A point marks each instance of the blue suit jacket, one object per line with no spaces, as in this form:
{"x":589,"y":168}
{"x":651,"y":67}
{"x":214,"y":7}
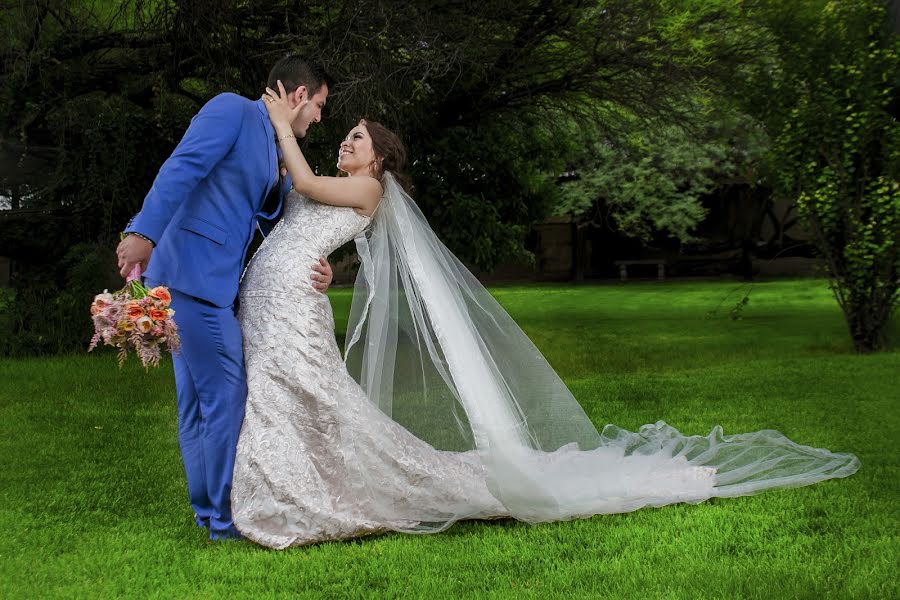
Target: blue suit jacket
{"x":204,"y":205}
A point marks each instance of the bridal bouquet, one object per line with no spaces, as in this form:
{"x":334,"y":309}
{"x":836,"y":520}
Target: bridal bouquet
{"x":135,"y":318}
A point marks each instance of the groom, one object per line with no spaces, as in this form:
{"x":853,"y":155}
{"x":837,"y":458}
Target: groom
{"x":192,"y":235}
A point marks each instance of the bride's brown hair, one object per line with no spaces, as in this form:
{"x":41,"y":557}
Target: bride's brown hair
{"x":391,"y":151}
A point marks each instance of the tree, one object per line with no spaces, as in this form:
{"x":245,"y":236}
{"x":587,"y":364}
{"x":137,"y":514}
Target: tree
{"x":482,"y":93}
{"x":652,"y":181}
{"x":838,"y":150}
{"x":477,"y":90}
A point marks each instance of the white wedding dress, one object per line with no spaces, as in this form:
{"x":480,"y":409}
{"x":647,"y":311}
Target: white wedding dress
{"x":323,"y":457}
{"x":297,"y":475}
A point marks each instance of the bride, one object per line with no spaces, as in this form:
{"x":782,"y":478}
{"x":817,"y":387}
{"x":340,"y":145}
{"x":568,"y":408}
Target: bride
{"x":442,"y":408}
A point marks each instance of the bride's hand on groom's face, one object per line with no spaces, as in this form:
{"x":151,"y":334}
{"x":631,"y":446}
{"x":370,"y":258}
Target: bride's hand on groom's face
{"x":322,"y":275}
{"x":279,"y":108}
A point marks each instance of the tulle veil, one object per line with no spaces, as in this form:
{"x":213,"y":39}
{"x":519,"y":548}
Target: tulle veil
{"x":433,"y":349}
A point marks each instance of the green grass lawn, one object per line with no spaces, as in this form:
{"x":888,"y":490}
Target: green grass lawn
{"x":93,"y":500}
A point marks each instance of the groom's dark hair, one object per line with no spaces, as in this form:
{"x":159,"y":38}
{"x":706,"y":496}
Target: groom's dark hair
{"x":294,"y":71}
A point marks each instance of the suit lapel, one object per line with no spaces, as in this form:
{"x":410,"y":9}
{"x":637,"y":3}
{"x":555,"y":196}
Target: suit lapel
{"x":272,"y":160}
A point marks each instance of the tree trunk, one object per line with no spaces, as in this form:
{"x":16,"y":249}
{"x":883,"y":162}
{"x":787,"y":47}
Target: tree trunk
{"x":867,"y":325}
{"x":579,"y":252}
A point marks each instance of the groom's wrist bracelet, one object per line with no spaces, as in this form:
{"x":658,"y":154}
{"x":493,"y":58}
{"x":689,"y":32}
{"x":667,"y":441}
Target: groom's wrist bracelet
{"x":140,"y":235}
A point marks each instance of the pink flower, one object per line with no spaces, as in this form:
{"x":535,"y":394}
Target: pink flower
{"x":103,"y":300}
{"x":144,"y":324}
{"x":102,"y":322}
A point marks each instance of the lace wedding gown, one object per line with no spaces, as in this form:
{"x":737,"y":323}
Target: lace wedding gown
{"x":319,"y":459}
{"x":298,"y":472}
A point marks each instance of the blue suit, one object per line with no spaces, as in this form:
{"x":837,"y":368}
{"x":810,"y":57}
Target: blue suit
{"x":201,"y":213}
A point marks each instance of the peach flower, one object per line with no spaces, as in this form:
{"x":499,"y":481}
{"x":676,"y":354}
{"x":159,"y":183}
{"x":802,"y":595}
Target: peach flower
{"x":161,"y":293}
{"x":135,"y":312}
{"x":158,"y":315}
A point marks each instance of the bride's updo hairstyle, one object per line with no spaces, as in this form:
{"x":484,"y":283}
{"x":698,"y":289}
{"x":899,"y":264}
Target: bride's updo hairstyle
{"x":390,"y":149}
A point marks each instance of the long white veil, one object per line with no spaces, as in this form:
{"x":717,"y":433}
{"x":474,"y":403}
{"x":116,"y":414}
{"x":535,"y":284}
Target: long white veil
{"x":434,"y":350}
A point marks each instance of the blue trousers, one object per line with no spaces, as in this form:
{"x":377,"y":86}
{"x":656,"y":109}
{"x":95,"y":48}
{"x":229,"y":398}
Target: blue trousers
{"x":211,"y":385}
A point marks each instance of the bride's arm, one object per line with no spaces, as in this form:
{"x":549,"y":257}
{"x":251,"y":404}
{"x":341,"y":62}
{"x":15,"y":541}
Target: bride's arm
{"x":359,"y":192}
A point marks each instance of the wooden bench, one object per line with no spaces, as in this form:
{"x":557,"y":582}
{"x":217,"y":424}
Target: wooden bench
{"x":624,"y":264}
